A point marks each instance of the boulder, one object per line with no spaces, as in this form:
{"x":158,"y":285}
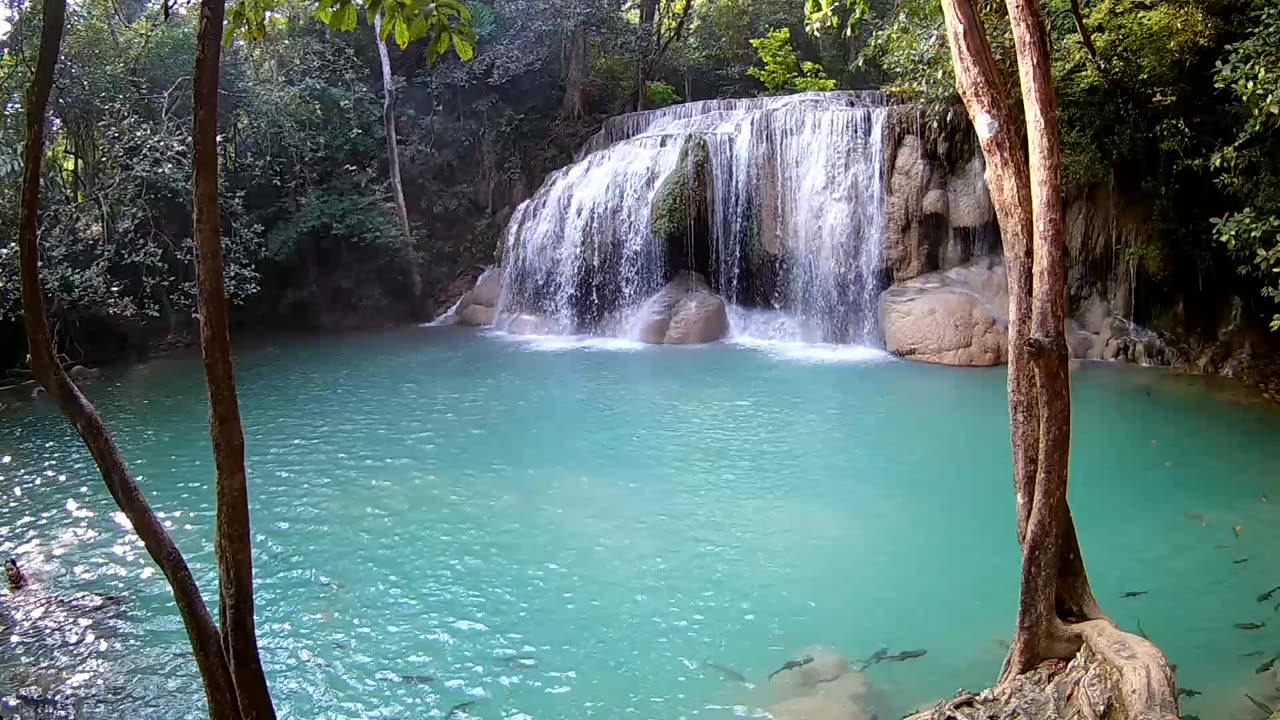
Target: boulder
{"x":816,"y":707}
{"x":477,"y":315}
{"x":488,"y":288}
{"x":685,"y":312}
{"x":956,"y":317}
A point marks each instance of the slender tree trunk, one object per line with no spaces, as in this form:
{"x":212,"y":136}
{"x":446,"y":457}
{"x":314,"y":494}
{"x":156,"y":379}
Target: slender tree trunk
{"x":576,"y":68}
{"x":648,"y":47}
{"x":1042,"y":547}
{"x":393,"y":159}
{"x":232,"y":541}
{"x":205,"y":640}
{"x":1057,"y":610}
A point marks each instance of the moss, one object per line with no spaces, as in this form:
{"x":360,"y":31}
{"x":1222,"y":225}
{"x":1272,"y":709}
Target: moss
{"x":680,"y":216}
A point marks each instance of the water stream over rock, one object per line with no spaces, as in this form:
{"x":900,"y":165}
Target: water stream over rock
{"x":779,"y":203}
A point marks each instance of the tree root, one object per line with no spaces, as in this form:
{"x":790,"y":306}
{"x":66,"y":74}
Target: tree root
{"x":1112,"y":676}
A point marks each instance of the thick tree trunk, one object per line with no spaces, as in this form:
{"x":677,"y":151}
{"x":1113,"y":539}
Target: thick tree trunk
{"x":393,"y":158}
{"x":232,"y":541}
{"x":206,"y":644}
{"x":1057,"y":610}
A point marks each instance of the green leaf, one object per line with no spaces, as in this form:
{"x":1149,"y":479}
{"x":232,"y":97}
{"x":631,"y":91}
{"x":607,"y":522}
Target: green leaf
{"x":465,"y":48}
{"x":401,"y":32}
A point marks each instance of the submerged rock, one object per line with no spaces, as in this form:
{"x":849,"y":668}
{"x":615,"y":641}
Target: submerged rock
{"x":956,"y":317}
{"x":816,"y":707}
{"x":685,"y":312}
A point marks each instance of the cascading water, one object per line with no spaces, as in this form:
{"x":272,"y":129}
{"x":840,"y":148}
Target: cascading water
{"x":794,"y":226}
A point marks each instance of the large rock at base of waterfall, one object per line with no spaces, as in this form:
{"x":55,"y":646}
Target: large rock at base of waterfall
{"x":681,"y":213}
{"x":685,"y":312}
{"x":956,"y":317}
{"x":477,"y":315}
{"x":816,"y":707}
{"x":488,"y":288}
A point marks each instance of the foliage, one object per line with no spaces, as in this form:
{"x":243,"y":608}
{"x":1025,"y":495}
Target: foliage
{"x":1249,"y":167}
{"x":660,"y":94}
{"x":783,"y":70}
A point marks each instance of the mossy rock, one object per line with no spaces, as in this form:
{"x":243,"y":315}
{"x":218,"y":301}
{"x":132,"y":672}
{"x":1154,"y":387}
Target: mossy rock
{"x":681,"y":214}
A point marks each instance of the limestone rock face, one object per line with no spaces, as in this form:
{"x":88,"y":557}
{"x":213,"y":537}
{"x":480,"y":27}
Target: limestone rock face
{"x":685,"y":312}
{"x":969,"y":203}
{"x":956,"y":317}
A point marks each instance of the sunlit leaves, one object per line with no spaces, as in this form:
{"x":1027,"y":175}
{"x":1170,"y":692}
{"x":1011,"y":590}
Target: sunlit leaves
{"x":783,"y":70}
{"x":442,"y":23}
{"x":824,"y":16}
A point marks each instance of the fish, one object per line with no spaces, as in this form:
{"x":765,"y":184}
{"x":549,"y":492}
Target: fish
{"x":1197,"y":517}
{"x":906,"y":655}
{"x":1188,"y":692}
{"x":1221,"y":547}
{"x":1251,"y":626}
{"x":1190,"y":717}
{"x":1237,"y":530}
{"x":417,"y":679}
{"x":1263,"y":497}
{"x":1267,"y":595}
{"x":1133,"y":593}
{"x":1142,"y":633}
{"x":1265,"y":666}
{"x":1255,"y":653}
{"x":727,"y":673}
{"x":792,"y":665}
{"x":1277,"y":607}
{"x":876,"y":657}
{"x":1261,"y":706}
{"x":1239,"y":561}
{"x":459,"y":706}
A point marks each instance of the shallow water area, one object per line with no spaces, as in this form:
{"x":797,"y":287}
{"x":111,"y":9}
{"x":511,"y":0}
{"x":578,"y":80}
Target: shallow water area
{"x":573,"y":528}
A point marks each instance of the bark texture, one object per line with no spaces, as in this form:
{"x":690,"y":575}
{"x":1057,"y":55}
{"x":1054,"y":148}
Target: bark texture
{"x":576,"y":67}
{"x":232,"y":541}
{"x":1057,"y":611}
{"x":393,"y":155}
{"x":205,"y":639}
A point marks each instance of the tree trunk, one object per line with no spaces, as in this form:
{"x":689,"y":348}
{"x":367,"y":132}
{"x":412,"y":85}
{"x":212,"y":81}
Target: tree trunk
{"x":393,"y":160}
{"x":205,"y":640}
{"x":648,"y":47}
{"x":576,"y":68}
{"x":1057,"y":610}
{"x":232,"y":541}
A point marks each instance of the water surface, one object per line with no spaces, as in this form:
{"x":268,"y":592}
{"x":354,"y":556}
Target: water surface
{"x":564,"y":530}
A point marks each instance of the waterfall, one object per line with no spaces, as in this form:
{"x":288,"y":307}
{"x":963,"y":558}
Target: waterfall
{"x":792,"y":237}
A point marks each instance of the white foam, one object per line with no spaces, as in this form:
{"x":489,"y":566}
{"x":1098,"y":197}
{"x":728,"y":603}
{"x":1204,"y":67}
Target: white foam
{"x":814,"y":352}
{"x":561,"y":343}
